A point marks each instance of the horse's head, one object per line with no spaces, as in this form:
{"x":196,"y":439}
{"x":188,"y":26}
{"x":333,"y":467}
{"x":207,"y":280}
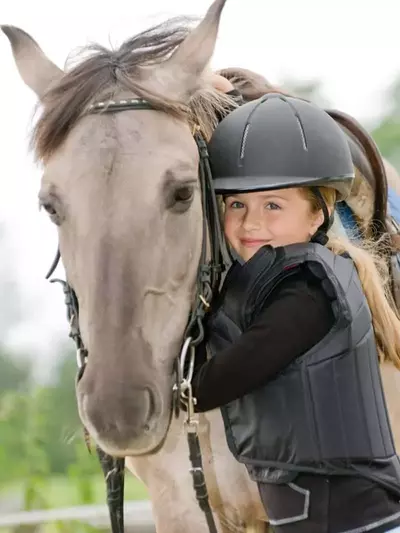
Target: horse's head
{"x":122,"y":189}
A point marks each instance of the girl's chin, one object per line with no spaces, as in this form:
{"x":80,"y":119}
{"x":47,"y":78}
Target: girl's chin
{"x":248,"y":253}
{"x":251,"y":249}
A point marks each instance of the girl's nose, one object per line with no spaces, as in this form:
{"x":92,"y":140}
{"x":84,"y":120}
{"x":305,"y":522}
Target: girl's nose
{"x":252,"y":220}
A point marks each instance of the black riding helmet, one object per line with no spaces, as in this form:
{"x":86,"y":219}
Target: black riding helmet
{"x":277,"y":142}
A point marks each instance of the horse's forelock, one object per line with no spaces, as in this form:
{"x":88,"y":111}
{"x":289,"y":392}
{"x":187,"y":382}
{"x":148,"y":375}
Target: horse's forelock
{"x":106,"y":73}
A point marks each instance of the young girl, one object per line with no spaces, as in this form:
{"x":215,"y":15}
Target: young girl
{"x":295,"y":337}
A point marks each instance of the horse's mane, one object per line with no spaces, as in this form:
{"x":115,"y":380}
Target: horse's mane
{"x":102,"y":73}
{"x":251,"y":85}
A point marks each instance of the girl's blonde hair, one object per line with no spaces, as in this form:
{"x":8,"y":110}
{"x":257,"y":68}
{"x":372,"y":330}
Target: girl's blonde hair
{"x":373,"y":273}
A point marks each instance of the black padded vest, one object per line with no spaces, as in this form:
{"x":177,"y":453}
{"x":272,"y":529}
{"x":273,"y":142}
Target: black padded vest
{"x":326,"y":412}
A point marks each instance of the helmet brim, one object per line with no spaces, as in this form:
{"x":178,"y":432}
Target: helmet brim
{"x":233,"y":185}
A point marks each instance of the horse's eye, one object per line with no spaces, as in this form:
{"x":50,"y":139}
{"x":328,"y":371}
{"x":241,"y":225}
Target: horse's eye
{"x":184,"y":194}
{"x":52,"y":208}
{"x":49,"y":208}
{"x":180,"y":197}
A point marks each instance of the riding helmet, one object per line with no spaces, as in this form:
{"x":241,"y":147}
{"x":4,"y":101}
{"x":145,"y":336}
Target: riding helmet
{"x":277,"y":142}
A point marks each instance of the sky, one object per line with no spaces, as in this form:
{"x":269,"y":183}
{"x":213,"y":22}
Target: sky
{"x":352,"y":46}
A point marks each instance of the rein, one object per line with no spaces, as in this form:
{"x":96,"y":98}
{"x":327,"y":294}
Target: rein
{"x":208,"y":281}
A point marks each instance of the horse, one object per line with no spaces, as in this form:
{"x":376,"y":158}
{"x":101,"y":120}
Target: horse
{"x":123,"y":189}
{"x":121,"y":183}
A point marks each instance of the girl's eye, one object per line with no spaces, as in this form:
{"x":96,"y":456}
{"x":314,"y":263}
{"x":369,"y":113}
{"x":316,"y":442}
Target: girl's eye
{"x":236,"y":205}
{"x":272,"y":207}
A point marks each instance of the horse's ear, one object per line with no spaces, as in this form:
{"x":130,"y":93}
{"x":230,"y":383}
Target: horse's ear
{"x":181,"y":73}
{"x":35,"y":68}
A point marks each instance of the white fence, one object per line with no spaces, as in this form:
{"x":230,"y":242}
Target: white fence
{"x":138,"y":517}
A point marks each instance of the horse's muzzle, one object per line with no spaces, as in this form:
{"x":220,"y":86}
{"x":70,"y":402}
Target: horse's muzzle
{"x":126,"y":423}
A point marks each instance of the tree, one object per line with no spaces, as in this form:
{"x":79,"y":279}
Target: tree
{"x":387,"y":132}
{"x":10,"y":309}
{"x":15,"y":374}
{"x":63,"y":425}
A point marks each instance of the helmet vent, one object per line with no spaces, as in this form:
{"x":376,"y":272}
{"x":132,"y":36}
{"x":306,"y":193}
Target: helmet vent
{"x":302,"y":133}
{"x":299,"y":123}
{"x":244,"y":139}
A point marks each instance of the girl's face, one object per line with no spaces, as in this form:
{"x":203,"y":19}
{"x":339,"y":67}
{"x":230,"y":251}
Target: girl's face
{"x":277,"y":218}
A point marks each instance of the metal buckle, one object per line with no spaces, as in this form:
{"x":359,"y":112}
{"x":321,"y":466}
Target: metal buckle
{"x":191,"y":423}
{"x":187,"y":347}
{"x":81,"y":358}
{"x":185,"y":387}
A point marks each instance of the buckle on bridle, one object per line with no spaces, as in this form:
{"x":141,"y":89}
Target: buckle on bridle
{"x":204,"y":302}
{"x":81,"y":357}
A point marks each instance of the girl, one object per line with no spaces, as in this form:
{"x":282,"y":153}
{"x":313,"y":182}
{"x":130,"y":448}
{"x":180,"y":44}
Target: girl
{"x":299,"y":326}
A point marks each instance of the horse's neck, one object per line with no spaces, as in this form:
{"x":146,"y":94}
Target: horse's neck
{"x":167,"y":475}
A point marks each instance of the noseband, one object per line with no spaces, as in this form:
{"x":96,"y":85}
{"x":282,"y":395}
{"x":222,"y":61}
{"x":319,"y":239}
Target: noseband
{"x":208,"y":281}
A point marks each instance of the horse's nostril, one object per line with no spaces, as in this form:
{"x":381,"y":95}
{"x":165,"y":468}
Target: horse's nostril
{"x":149,"y":408}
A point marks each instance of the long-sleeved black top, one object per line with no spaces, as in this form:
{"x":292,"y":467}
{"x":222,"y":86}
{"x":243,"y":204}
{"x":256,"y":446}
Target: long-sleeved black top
{"x":296,"y":316}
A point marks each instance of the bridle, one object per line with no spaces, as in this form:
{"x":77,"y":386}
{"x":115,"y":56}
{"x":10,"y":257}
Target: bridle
{"x":207,"y":285}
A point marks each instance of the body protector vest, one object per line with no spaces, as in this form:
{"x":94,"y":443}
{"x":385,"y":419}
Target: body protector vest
{"x":325,"y":412}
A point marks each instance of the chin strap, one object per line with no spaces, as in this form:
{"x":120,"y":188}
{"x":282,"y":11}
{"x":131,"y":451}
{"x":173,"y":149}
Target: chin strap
{"x":320,"y":236}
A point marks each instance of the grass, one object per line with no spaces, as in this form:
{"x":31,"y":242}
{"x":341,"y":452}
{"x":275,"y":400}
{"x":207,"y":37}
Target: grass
{"x":63,"y":492}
